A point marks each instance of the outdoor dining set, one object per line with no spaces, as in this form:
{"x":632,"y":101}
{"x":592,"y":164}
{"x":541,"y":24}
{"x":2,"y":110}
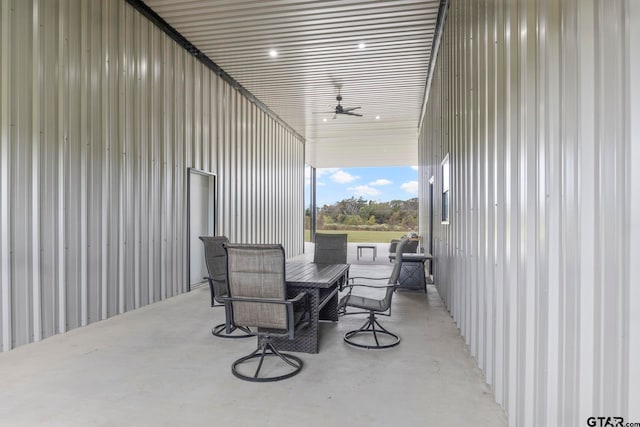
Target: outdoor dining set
{"x":282,"y":302}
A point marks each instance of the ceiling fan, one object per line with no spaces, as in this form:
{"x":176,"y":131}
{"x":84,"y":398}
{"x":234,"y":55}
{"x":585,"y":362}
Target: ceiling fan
{"x":339,"y":109}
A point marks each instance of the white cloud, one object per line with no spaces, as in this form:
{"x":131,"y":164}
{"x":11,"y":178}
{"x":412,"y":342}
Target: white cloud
{"x":380,"y":182}
{"x":325,"y":171}
{"x":343,"y":177}
{"x":364,"y":191}
{"x":415,"y":168}
{"x":410,"y":187}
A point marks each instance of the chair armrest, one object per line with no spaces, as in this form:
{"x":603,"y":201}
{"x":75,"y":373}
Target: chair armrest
{"x":293,"y":300}
{"x":351,"y":279}
{"x":298,"y":297}
{"x":356,"y":285}
{"x":264,"y":300}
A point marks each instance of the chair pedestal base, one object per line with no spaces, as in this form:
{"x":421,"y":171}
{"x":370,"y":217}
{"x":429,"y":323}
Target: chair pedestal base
{"x":220,"y":331}
{"x":370,"y":328}
{"x":266,"y":349}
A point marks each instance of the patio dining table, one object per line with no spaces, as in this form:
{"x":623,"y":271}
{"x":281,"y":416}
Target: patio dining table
{"x":322,"y":282}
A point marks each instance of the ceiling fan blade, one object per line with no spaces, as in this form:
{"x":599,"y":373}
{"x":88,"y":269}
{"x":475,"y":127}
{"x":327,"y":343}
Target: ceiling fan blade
{"x":323,"y":112}
{"x":350,"y":108}
{"x":349,"y":113}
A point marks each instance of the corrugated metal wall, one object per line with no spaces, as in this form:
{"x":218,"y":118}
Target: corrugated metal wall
{"x":531,"y":100}
{"x":101,"y":114}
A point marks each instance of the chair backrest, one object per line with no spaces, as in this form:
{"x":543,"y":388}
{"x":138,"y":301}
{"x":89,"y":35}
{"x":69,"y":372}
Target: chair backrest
{"x":393,"y":245}
{"x":411,"y":247}
{"x":258,"y":272}
{"x":216,"y":260}
{"x":395,"y":273}
{"x":330,"y":249}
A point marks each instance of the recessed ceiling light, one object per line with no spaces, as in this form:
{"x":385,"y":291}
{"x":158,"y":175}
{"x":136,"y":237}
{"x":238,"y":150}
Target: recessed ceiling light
{"x":273,"y":53}
{"x":377,"y":117}
{"x":324,"y":120}
{"x":361,"y":45}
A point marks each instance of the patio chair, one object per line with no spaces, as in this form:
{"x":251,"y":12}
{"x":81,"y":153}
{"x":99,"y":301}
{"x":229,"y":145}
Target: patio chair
{"x":410,"y":248}
{"x":258,"y":298}
{"x":374,"y":306}
{"x":215,"y":258}
{"x":330,"y":249}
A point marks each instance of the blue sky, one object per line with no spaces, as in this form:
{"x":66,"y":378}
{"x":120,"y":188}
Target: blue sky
{"x":381,"y":184}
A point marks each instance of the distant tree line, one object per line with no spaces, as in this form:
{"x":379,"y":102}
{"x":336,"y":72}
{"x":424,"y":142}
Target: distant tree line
{"x":361,"y":214}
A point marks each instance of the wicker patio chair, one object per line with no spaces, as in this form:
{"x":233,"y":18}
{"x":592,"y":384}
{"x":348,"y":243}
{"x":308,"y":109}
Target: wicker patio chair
{"x":330,"y":249}
{"x":258,"y":298}
{"x":216,"y":260}
{"x":374,"y":306}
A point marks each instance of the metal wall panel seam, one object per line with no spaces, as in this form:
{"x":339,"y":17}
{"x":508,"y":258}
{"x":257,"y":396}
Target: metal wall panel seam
{"x":107,"y":75}
{"x":632,"y":17}
{"x":253,"y":144}
{"x":243,"y":180}
{"x":5,"y":173}
{"x":73,"y":212}
{"x":512,"y":192}
{"x":260,"y":143}
{"x":94,"y":157}
{"x":246,"y":161}
{"x":600,"y":190}
{"x":143,"y":214}
{"x":586,"y":215}
{"x":462,"y":209}
{"x":613,"y":153}
{"x":554,"y":248}
{"x":48,"y":181}
{"x":211,"y":125}
{"x":540,"y":240}
{"x":205,"y":121}
{"x":19,"y":130}
{"x":481,"y":117}
{"x":568,"y":116}
{"x":63,"y":138}
{"x":501,"y":340}
{"x":236,"y":183}
{"x":134,"y":122}
{"x":490,"y":202}
{"x":83,"y":159}
{"x":36,"y":136}
{"x":194,"y":158}
{"x":121,"y":157}
{"x":226,"y":159}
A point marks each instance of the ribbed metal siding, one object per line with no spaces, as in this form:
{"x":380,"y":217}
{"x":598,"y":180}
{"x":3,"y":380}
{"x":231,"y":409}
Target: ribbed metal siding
{"x":101,"y":114}
{"x":532,"y":102}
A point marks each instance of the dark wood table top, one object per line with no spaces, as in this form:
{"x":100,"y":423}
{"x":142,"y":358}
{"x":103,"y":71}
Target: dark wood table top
{"x":314,"y":275}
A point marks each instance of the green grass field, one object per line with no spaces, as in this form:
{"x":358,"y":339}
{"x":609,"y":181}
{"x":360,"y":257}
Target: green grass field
{"x":357,"y":236}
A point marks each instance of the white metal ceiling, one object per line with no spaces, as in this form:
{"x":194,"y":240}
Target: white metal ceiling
{"x":317,"y":44}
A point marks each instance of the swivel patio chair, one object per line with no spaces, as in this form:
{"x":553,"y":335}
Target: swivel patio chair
{"x":374,"y":306}
{"x":410,"y":248}
{"x":215,"y":258}
{"x":258,"y":299}
{"x":330,"y":249}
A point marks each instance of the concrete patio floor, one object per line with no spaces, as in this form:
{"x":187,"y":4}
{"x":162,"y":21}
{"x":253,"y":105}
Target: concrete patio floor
{"x":160,"y":366}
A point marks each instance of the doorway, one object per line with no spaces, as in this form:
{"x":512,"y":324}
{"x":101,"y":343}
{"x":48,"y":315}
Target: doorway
{"x":201,"y":214}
